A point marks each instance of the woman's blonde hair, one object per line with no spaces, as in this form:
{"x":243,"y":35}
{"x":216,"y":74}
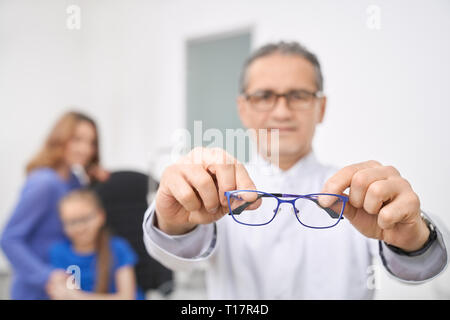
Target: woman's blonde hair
{"x":103,"y":238}
{"x":52,"y":152}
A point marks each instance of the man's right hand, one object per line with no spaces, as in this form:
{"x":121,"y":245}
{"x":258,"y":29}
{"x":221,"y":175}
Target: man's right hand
{"x":191,"y":191}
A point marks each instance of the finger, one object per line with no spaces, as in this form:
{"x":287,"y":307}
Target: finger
{"x":184,"y":193}
{"x":341,"y":180}
{"x":204,"y":217}
{"x":378,"y":193}
{"x":204,"y":184}
{"x":218,"y":162}
{"x":226,"y":180}
{"x":403,"y":209}
{"x":243,"y":180}
{"x":364,"y":178}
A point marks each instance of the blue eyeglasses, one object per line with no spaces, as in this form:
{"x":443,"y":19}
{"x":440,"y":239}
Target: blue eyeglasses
{"x":257,"y":208}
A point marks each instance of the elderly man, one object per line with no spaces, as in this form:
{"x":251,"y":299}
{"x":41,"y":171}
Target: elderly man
{"x":198,"y":220}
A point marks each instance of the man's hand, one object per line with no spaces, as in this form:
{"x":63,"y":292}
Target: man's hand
{"x":192,"y":190}
{"x":382,"y":204}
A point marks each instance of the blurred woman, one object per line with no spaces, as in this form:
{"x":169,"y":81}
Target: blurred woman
{"x":104,"y":263}
{"x":34,"y":224}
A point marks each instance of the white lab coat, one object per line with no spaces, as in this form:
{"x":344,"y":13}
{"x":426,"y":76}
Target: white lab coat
{"x":285,"y":260}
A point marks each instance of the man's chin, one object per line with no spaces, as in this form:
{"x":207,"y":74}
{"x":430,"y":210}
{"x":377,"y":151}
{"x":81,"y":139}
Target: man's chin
{"x":291,"y":150}
{"x":287,"y":146}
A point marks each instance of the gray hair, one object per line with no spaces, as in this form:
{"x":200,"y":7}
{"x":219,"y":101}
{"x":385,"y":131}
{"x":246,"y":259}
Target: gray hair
{"x":284,"y":48}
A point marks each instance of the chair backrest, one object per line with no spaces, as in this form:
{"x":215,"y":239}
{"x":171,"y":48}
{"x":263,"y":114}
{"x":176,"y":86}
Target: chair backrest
{"x":124,"y":196}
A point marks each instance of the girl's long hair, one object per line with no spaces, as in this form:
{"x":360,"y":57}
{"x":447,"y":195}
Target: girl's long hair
{"x":103,"y":266}
{"x":103,"y":261}
{"x":52,"y":152}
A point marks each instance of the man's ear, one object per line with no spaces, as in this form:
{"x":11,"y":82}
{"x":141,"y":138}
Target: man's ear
{"x":322,"y":108}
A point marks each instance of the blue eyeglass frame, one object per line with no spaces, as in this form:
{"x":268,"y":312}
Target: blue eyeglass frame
{"x":331,"y":213}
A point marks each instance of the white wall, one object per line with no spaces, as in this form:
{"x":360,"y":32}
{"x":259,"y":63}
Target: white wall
{"x":40,"y":73}
{"x":106,"y":69}
{"x":388,"y":89}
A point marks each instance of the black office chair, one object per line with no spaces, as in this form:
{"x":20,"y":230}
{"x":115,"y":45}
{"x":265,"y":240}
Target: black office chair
{"x":124,"y":196}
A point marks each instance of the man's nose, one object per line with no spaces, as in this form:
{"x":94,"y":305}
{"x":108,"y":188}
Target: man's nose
{"x":281,"y":109}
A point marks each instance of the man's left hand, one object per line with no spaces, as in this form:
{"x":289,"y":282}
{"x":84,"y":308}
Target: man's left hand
{"x":382,"y":204}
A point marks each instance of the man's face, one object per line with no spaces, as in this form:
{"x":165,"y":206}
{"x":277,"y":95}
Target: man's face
{"x":281,"y":74}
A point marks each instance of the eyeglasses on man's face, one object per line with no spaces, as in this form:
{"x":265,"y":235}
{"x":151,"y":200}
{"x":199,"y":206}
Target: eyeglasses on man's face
{"x":266,"y":100}
{"x":257,"y":208}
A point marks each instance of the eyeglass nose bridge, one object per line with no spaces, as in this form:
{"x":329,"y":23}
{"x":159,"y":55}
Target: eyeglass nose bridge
{"x":281,"y":95}
{"x":281,"y":202}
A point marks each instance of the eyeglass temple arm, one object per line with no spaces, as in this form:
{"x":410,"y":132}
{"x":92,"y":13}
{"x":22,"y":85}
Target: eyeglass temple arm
{"x":333,"y":214}
{"x":244,"y":206}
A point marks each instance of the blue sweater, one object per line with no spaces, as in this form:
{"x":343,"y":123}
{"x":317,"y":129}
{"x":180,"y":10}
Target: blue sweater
{"x":33,"y":227}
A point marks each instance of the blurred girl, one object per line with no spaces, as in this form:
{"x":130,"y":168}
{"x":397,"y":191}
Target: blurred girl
{"x":104,"y":264}
{"x":34,"y":224}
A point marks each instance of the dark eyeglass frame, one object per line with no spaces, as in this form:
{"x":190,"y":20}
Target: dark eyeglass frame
{"x":287,"y":95}
{"x":334,"y":215}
